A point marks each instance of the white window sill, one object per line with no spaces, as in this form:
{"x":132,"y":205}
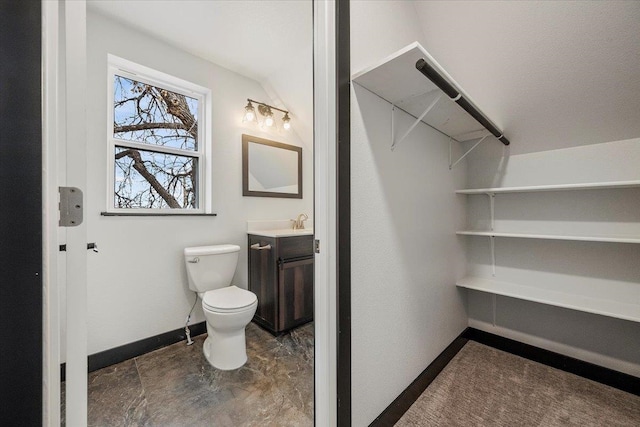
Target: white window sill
{"x":155,"y":214}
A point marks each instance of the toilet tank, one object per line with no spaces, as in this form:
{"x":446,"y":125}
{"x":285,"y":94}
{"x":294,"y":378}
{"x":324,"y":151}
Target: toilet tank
{"x":210,"y":267}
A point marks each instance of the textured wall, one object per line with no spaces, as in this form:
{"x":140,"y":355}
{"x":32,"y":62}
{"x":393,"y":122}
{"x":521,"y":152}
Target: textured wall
{"x":405,"y":255}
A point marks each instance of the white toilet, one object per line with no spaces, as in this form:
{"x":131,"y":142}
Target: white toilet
{"x":227,"y":308}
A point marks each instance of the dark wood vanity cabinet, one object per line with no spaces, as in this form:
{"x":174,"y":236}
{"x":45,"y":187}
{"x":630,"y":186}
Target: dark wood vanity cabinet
{"x":281,"y":275}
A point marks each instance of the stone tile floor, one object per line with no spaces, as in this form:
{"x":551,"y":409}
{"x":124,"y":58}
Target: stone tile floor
{"x":176,"y":386}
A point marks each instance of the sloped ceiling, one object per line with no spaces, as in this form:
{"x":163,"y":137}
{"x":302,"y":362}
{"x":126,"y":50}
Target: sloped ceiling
{"x":550,"y":74}
{"x":252,"y":38}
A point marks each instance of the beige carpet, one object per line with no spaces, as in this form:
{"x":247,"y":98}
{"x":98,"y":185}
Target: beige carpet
{"x":483,"y":386}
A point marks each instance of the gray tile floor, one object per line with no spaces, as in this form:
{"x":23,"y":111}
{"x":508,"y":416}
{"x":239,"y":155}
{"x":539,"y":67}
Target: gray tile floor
{"x":176,"y":386}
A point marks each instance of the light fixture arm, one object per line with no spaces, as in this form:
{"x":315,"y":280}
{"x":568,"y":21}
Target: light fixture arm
{"x":267,"y":105}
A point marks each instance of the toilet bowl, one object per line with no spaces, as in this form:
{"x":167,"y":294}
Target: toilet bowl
{"x":228,"y":309}
{"x":227,"y":316}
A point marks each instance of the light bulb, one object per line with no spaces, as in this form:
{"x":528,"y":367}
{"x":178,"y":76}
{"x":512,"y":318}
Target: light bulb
{"x":249,"y":113}
{"x":268,"y":121}
{"x":286,"y":122}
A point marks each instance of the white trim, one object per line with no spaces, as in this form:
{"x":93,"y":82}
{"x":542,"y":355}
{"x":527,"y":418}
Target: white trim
{"x":131,"y":70}
{"x":51,"y":304}
{"x":75,"y":105}
{"x":117,"y":142}
{"x":325,"y":213}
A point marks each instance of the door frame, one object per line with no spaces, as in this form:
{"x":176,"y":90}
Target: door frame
{"x":343,"y":196}
{"x":64,"y":34}
{"x":324,"y":155}
{"x":65,"y":273}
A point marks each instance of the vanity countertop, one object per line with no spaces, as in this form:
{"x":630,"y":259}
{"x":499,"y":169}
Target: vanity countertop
{"x":283,"y":232}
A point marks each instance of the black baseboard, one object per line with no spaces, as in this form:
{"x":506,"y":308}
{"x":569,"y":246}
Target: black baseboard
{"x":129,"y":351}
{"x":619,"y":380}
{"x":403,"y":402}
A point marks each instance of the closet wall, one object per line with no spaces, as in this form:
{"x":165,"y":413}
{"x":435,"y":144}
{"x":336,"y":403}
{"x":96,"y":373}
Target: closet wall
{"x":606,"y":271}
{"x":405,"y":256}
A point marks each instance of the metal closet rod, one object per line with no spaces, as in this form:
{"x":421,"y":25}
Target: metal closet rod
{"x":456,"y":96}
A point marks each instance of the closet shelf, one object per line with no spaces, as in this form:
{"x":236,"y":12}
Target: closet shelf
{"x":553,"y":187}
{"x":600,"y":238}
{"x":413,"y":81}
{"x":618,"y":309}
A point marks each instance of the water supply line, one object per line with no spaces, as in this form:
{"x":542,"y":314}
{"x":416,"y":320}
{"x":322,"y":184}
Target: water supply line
{"x":186,"y":326}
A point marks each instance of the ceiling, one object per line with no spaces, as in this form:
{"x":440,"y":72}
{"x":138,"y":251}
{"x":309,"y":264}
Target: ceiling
{"x":253,"y":38}
{"x":550,"y":74}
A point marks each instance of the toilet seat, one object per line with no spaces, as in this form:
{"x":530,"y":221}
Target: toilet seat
{"x":228,"y":299}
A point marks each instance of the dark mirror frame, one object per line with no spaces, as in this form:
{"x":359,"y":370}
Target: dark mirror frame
{"x":246,"y":139}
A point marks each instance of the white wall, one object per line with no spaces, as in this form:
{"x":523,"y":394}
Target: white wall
{"x":405,"y":257}
{"x":293,"y":82}
{"x":137,"y":285}
{"x":600,"y":270}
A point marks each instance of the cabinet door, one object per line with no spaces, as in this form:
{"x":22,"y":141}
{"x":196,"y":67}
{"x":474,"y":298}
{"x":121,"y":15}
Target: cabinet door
{"x":263,"y":279}
{"x":295,"y":293}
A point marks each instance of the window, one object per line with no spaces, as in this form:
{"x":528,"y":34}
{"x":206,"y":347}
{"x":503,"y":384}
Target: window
{"x":157,"y":141}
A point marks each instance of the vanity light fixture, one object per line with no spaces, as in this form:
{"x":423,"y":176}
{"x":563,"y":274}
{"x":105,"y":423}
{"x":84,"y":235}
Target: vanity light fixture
{"x":265,"y":111}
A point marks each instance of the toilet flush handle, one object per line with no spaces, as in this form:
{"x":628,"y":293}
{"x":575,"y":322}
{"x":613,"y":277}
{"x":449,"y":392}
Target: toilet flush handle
{"x":194,"y":261}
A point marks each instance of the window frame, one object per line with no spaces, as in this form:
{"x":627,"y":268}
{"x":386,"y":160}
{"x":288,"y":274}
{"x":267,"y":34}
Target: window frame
{"x":117,"y":66}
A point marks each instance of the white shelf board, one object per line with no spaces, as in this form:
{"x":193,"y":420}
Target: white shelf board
{"x":601,"y":238}
{"x":553,"y":187}
{"x":618,"y":309}
{"x":396,"y":80}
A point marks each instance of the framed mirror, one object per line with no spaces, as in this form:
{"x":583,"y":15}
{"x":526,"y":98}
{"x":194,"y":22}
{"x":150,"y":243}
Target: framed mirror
{"x":270,"y":168}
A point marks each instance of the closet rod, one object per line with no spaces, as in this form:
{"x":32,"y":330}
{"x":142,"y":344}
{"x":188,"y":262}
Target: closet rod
{"x":456,"y":96}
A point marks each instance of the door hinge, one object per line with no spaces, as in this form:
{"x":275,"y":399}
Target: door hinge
{"x":71,"y":206}
{"x":316,"y":246}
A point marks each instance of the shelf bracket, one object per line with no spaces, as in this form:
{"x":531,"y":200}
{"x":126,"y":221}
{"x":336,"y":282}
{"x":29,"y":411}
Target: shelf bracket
{"x":465,"y":154}
{"x":492,"y":208}
{"x":393,"y":125}
{"x":394,"y":141}
{"x":494,"y":307}
{"x":492,"y":242}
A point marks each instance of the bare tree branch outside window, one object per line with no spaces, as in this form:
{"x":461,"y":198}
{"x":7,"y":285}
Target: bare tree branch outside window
{"x":164,"y":175}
